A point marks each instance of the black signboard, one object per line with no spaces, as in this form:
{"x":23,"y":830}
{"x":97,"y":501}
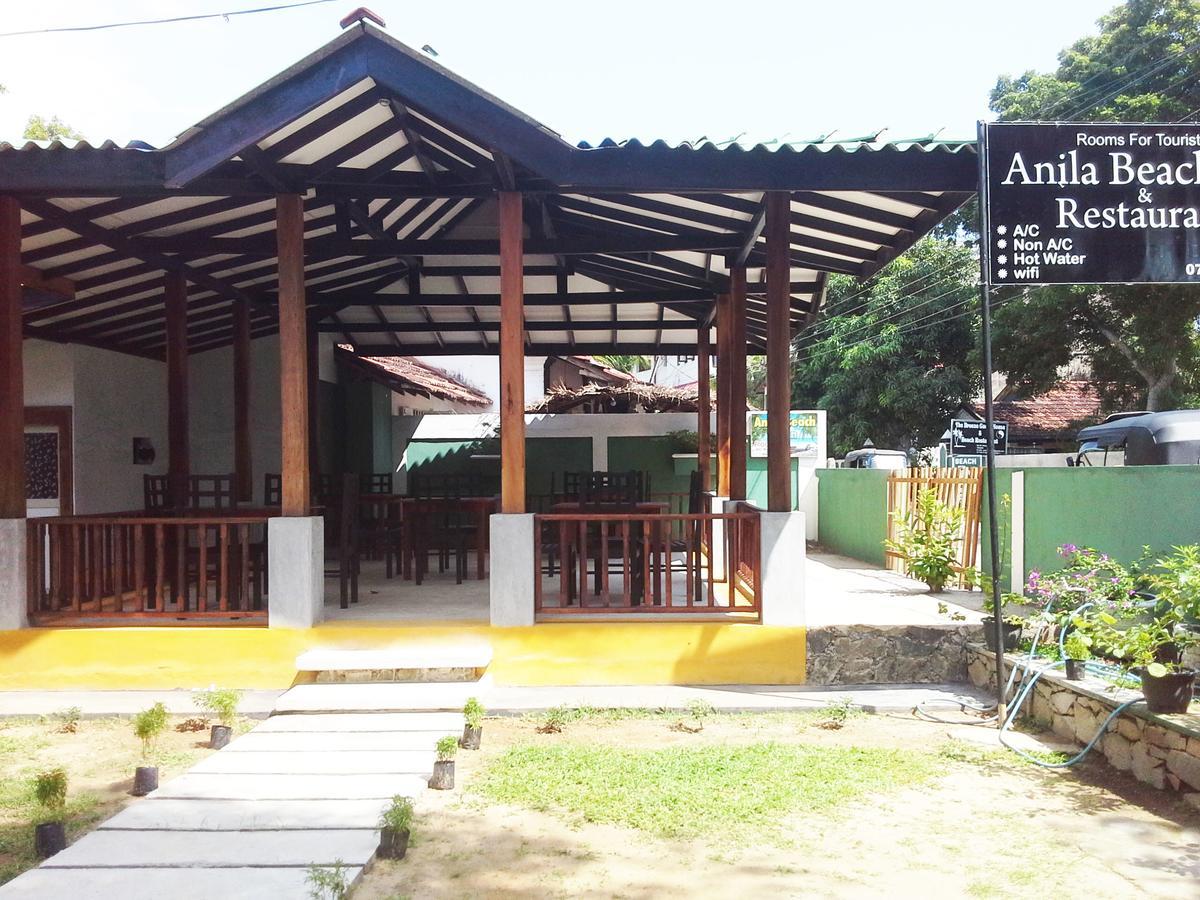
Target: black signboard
{"x":1092,"y":204}
{"x":969,"y":437}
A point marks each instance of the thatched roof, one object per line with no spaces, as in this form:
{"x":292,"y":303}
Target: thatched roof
{"x":632,"y":396}
{"x":407,"y":375}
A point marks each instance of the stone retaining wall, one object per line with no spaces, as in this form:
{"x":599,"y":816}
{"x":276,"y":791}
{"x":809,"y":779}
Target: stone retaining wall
{"x":888,"y":654}
{"x":1162,"y":751}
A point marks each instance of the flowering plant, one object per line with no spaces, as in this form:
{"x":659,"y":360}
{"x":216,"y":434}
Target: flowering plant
{"x":1087,"y":577}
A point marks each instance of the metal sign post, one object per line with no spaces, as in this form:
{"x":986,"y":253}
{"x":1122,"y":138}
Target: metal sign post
{"x":985,"y":300}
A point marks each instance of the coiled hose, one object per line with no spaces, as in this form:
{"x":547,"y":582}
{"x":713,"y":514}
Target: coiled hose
{"x":1029,"y":678}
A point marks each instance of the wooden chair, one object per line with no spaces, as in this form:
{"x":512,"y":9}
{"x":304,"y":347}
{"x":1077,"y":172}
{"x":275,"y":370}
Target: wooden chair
{"x":324,"y":492}
{"x":157,"y":494}
{"x":347,"y":558}
{"x":376,"y":483}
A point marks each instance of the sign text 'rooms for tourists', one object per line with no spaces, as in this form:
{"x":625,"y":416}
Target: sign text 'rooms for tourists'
{"x":1093,"y":204}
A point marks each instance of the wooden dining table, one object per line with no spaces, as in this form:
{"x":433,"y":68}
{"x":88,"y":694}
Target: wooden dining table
{"x":481,"y":508}
{"x":569,"y":534}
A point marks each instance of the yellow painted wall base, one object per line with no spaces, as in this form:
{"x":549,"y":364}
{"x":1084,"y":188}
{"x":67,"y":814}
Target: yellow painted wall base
{"x":585,"y":653}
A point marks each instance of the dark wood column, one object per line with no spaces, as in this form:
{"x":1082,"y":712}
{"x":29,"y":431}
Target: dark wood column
{"x":737,"y":383}
{"x":242,"y":464}
{"x":179,"y":460}
{"x":704,"y":413}
{"x":12,"y":384}
{"x":293,"y":354}
{"x":779,"y":336}
{"x":512,"y":355}
{"x":314,"y":403}
{"x":723,"y":379}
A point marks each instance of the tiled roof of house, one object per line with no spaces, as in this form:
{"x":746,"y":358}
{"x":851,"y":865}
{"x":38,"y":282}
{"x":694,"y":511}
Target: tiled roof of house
{"x":407,"y":375}
{"x":1057,"y":413}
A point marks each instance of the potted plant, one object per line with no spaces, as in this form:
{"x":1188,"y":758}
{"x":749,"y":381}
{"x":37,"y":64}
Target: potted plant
{"x":473,"y":712}
{"x":1152,"y":650}
{"x":222,"y":703}
{"x":148,"y":725}
{"x":927,"y":539}
{"x":394,"y":828}
{"x":50,"y":790}
{"x":1078,"y":647}
{"x":443,"y":767}
{"x":1010,"y":625}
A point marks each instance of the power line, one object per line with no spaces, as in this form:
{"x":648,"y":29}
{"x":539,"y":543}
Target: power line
{"x":168,"y":21}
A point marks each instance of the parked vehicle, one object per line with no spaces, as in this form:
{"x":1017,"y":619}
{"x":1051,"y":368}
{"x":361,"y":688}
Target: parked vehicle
{"x":871,"y":457}
{"x":1142,"y":439}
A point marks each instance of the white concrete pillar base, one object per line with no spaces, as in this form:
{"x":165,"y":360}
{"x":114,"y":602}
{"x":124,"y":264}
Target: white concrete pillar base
{"x":513,"y":569}
{"x":13,"y":573}
{"x":781,"y":561}
{"x":296,"y":571}
{"x":717,"y":549}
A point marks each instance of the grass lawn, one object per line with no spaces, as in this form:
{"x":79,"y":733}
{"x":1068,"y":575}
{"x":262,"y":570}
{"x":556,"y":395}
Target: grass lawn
{"x":640,"y":804}
{"x":99,"y":757}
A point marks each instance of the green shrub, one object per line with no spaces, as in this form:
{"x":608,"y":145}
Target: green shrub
{"x":50,"y":791}
{"x":473,"y":712}
{"x":554,"y":720}
{"x":447,"y":747}
{"x":68,"y":719}
{"x":220,"y":702}
{"x":399,"y":815}
{"x":328,"y":882}
{"x":148,"y":725}
{"x":927,"y":539}
{"x":1078,"y":646}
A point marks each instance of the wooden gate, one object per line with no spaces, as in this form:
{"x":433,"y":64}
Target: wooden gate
{"x":960,"y":487}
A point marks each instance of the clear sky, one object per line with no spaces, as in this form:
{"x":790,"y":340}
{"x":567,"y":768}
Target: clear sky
{"x":623,"y":68}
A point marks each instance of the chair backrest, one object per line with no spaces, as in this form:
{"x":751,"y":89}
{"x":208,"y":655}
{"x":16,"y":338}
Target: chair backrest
{"x":272,"y":489}
{"x":428,"y":485}
{"x":156,"y":490}
{"x":375,"y":483}
{"x":212,"y":491}
{"x":696,"y":493}
{"x":613,"y":487}
{"x":348,"y":517}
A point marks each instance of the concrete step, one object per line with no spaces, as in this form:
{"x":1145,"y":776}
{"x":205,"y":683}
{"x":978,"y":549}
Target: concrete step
{"x":357,"y":698}
{"x":159,"y":884}
{"x":291,"y":787}
{"x":217,"y":849}
{"x":320,"y":762}
{"x":314,"y":741}
{"x":362,"y":723}
{"x":459,"y":662}
{"x":153,"y":813}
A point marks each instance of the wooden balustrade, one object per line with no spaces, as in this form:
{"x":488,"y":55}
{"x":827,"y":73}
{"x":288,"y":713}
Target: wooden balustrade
{"x":597,"y":563}
{"x":147,"y":567}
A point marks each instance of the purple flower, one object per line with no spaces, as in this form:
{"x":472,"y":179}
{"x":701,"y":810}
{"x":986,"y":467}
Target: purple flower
{"x":1067,"y":549}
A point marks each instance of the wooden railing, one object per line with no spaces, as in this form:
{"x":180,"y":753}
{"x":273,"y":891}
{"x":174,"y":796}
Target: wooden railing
{"x":743,"y":550}
{"x":134,"y":566}
{"x":597,"y":563}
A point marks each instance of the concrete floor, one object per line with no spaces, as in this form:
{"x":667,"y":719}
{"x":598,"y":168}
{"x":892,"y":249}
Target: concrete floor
{"x":839,"y":591}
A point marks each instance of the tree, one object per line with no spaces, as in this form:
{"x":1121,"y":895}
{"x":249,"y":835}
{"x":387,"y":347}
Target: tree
{"x":1140,"y":340}
{"x":38,"y":128}
{"x":624,"y":362}
{"x":893,"y":360}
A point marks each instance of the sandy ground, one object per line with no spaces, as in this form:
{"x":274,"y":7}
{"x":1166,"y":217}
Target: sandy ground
{"x":988,"y":827}
{"x":99,"y":757}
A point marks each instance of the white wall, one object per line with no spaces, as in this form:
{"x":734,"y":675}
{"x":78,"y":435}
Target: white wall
{"x":49,"y":373}
{"x":210,"y":411}
{"x":117,"y":397}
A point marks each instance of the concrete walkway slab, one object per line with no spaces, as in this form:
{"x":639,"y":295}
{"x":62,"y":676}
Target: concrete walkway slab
{"x":214,"y":849}
{"x":258,"y":741}
{"x":163,"y":814}
{"x":291,"y":787}
{"x":395,"y":697}
{"x":255,"y":704}
{"x":320,"y":762}
{"x":163,"y":884}
{"x":367,"y":723}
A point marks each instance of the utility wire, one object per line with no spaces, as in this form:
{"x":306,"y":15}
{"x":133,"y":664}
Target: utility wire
{"x":168,"y":21}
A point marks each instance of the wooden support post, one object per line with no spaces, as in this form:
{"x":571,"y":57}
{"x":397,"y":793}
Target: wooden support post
{"x":293,"y":353}
{"x":314,"y":407}
{"x":723,"y":379}
{"x":512,"y":355}
{"x":779,"y":337}
{"x":242,"y":464}
{"x":704,"y":414}
{"x":179,"y":465}
{"x":12,"y":385}
{"x":737,"y":383}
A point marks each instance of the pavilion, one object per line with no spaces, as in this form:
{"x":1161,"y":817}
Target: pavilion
{"x":368,"y":196}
